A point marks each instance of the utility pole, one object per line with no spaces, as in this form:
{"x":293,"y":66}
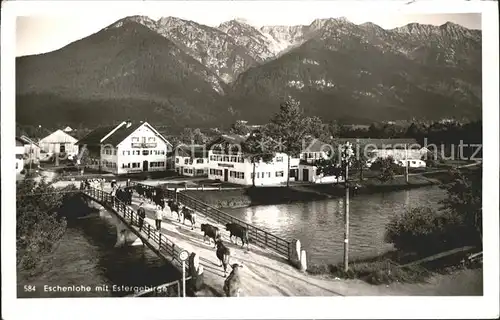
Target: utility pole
{"x":346,"y":221}
{"x":406,"y":163}
{"x":346,"y":157}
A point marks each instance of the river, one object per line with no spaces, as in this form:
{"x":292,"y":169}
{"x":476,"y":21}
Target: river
{"x":86,"y":256}
{"x":319,"y":225}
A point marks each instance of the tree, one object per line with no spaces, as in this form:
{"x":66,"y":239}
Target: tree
{"x":254,"y":149}
{"x":239,"y":128}
{"x":388,"y":169}
{"x":464,"y":199}
{"x":39,"y":227}
{"x":193,"y":136}
{"x":288,"y":129}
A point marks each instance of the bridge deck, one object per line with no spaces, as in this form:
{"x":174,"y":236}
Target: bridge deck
{"x":265,"y":273}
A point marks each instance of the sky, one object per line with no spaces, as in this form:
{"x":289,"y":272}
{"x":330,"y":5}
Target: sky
{"x":47,"y":31}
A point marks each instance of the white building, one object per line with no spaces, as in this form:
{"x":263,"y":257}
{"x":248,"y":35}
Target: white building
{"x":31,"y":149}
{"x":191,"y":160}
{"x":314,"y":151}
{"x":125,"y":148}
{"x":227,"y":163}
{"x":19,"y":155}
{"x":59,"y":142}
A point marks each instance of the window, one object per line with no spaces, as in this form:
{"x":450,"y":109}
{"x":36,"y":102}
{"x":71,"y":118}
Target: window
{"x":241,"y":160}
{"x":199,"y":161}
{"x":200,"y":171}
{"x":161,"y":163}
{"x":17,"y":165}
{"x":125,"y":165}
{"x":190,"y":161}
{"x":176,"y":160}
{"x":162,"y":152}
{"x":413,"y":162}
{"x":233,"y":159}
{"x":279,"y":173}
{"x":186,"y":161}
{"x":114,"y":152}
{"x":279,"y":159}
{"x":145,"y":152}
{"x":251,"y":175}
{"x":135,"y":139}
{"x":219,"y":158}
{"x":258,"y":175}
{"x":135,"y":165}
{"x":151,"y":139}
{"x":137,"y":153}
{"x":143,"y":139}
{"x":226,"y":159}
{"x":269,"y":174}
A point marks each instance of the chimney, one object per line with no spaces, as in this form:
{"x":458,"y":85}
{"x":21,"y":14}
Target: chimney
{"x":128,"y":123}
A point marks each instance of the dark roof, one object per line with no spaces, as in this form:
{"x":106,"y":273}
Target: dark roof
{"x":378,"y":143}
{"x":28,"y":141}
{"x":316,"y":145}
{"x":94,"y":137}
{"x":193,"y":151}
{"x":234,"y":139}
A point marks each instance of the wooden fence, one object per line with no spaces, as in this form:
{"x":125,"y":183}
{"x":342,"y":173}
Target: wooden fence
{"x":257,"y":236}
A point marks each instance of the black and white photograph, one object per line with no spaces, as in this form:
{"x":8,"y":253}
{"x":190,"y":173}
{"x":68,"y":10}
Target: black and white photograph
{"x":299,"y":153}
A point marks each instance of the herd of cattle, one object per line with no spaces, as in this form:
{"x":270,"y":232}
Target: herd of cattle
{"x":156,"y":195}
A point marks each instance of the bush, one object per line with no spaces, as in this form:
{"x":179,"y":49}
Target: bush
{"x":424,"y":231}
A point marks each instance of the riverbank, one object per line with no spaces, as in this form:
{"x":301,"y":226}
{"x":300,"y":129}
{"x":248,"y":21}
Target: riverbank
{"x":298,"y":192}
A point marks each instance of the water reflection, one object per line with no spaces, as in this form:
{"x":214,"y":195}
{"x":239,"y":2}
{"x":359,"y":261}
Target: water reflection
{"x":320,"y":226}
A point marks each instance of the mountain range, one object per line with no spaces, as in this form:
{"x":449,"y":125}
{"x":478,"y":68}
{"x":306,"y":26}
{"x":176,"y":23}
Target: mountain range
{"x":181,"y":73}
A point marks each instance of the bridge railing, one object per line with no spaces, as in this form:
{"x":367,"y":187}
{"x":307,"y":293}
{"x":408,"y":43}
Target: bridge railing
{"x":257,"y":236}
{"x":129,"y":216}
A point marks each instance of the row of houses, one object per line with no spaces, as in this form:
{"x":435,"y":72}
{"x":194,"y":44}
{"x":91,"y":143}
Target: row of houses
{"x":138,"y":147}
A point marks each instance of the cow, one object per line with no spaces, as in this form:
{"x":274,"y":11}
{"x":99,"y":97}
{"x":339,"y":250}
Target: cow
{"x":159,"y":201}
{"x":238,"y":232}
{"x":222,"y":254}
{"x":174,"y":207}
{"x":190,"y":215}
{"x":140,"y":190}
{"x":149,"y":194}
{"x":210,"y":231}
{"x":232,"y":284}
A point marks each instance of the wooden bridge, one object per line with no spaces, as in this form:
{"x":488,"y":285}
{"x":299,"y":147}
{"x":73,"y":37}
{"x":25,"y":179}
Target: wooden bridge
{"x":267,"y":269}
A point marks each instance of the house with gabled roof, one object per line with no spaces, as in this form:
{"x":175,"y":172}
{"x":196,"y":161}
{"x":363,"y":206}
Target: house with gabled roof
{"x":125,"y":148}
{"x":191,"y":160}
{"x":59,"y":143}
{"x":31,"y":149}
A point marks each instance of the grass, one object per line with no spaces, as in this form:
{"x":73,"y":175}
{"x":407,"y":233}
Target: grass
{"x":374,"y":272}
{"x":389,"y":268}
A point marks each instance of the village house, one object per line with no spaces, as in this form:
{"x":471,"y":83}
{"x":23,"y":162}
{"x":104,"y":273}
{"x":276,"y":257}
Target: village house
{"x":228,"y":163}
{"x":31,"y":150}
{"x":191,"y":160}
{"x":401,"y":150}
{"x":313,"y":151}
{"x":19,"y":155}
{"x":59,"y":143}
{"x":125,"y":148}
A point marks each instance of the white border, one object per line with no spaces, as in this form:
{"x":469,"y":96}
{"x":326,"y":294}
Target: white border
{"x":317,"y":307}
